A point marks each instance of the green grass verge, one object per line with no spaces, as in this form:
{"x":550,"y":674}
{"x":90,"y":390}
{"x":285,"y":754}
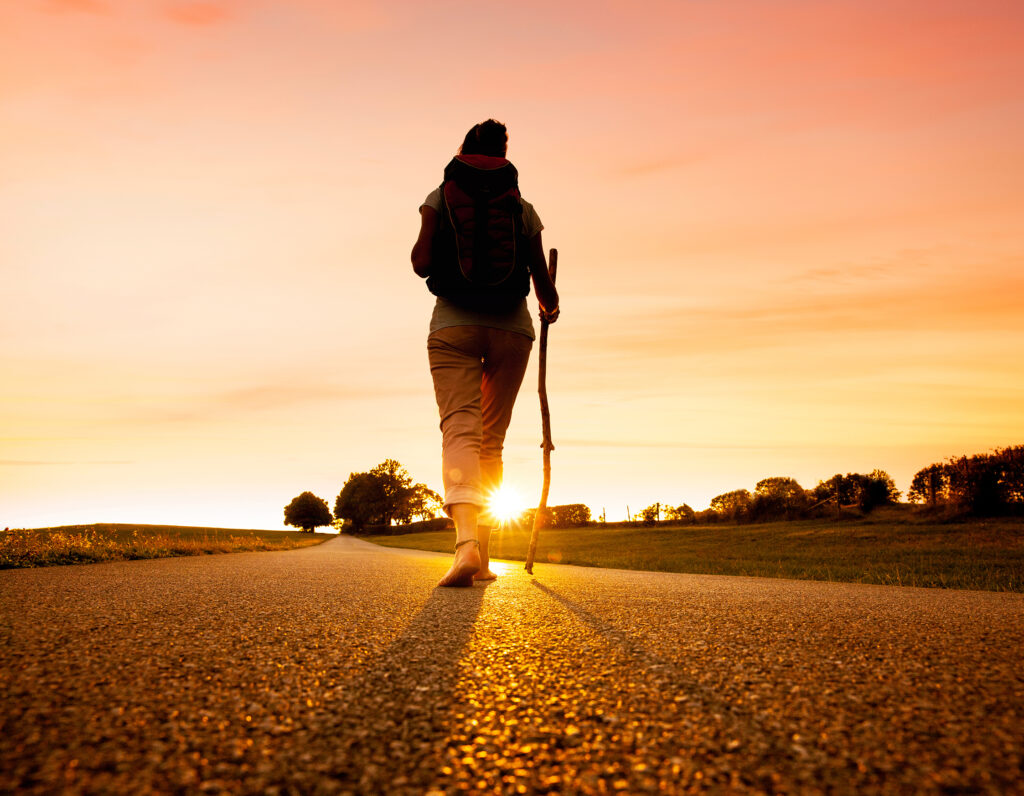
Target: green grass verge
{"x":82,"y":544}
{"x":974,"y":554}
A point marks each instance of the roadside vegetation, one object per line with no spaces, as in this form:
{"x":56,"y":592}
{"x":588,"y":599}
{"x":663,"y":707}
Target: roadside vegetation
{"x":82,"y":544}
{"x":891,"y":546}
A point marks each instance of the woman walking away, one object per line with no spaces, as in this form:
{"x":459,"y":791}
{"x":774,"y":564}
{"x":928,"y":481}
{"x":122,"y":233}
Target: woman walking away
{"x":479,"y":247}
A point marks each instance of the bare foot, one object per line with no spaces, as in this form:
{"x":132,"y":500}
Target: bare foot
{"x":485,"y":574}
{"x":464,"y":567}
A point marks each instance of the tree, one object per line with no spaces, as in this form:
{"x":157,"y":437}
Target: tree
{"x":777,"y":497}
{"x":385,"y":494}
{"x":570,"y":515}
{"x":866,"y":491}
{"x":988,"y":483}
{"x":547,"y":519}
{"x":877,"y":489}
{"x":844,"y":487}
{"x":397,"y":488}
{"x":651,"y":514}
{"x":681,"y":513}
{"x":362,"y":501}
{"x":930,"y":485}
{"x":732,"y":505}
{"x":307,"y":512}
{"x":422,"y":503}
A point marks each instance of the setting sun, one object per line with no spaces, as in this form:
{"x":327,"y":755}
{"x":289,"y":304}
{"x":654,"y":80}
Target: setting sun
{"x":506,"y":504}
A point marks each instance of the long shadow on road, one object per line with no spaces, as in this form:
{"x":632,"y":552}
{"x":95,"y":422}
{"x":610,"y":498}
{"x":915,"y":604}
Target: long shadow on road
{"x":731,"y":720}
{"x":391,"y":723}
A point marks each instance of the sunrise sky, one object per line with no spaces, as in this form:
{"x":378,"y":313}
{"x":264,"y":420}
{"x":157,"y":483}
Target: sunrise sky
{"x":789,"y":231}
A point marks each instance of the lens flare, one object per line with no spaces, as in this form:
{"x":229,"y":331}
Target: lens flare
{"x":506,"y":505}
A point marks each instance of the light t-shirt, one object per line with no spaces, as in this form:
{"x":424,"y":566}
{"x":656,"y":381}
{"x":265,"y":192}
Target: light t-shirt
{"x":447,"y":314}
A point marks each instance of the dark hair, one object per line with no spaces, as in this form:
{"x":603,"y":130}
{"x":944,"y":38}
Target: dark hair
{"x":486,"y":138}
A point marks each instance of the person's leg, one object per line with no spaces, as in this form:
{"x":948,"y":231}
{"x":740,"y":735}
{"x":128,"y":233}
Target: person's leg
{"x":467,"y":562}
{"x":504,"y":367}
{"x":456,"y":368}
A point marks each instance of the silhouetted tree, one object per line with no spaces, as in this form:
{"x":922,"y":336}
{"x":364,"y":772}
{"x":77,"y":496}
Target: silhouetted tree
{"x":877,"y":489}
{"x":362,"y":501}
{"x":987,"y":483}
{"x":570,"y":515}
{"x":422,"y":503}
{"x":547,"y":519}
{"x":865,"y":491}
{"x":385,"y":494}
{"x":732,"y":505}
{"x":776,"y":498}
{"x":681,"y":513}
{"x":1011,"y":461}
{"x":651,"y":514}
{"x":844,"y":487}
{"x":397,"y":488}
{"x":930,"y":485}
{"x":307,"y":512}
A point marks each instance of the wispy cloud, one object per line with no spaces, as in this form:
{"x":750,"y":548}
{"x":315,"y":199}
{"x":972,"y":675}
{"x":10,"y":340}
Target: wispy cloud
{"x":86,"y":6}
{"x":659,"y":444}
{"x":257,"y":399}
{"x":648,"y":166}
{"x":908,"y":264}
{"x":199,"y":14}
{"x":765,"y":319}
{"x":44,"y":463}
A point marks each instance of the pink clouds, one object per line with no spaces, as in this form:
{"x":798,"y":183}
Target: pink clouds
{"x":86,"y":6}
{"x":204,"y":198}
{"x":199,"y":14}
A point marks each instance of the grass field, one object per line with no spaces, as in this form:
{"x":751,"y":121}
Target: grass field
{"x":82,"y":544}
{"x":888,"y":549}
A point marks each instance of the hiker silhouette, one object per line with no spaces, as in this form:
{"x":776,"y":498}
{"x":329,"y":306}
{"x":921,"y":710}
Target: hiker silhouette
{"x":479,"y":248}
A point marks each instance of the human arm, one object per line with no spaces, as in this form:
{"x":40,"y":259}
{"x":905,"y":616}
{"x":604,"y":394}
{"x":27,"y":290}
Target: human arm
{"x":547,"y":295}
{"x":421,"y":250}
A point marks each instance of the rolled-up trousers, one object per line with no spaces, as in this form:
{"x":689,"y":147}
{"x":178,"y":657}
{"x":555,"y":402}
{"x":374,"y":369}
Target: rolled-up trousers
{"x":477,"y":372}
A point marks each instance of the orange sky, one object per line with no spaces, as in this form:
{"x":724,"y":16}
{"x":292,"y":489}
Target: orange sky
{"x":789,"y":233}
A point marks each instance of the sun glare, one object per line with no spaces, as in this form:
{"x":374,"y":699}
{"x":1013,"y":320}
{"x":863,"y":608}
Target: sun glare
{"x":506,"y":505}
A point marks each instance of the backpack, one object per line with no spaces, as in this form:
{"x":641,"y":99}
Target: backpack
{"x":480,"y":258}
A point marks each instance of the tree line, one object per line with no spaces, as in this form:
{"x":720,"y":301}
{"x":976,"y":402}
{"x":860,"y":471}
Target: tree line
{"x":379,"y":497}
{"x":781,"y":498}
{"x":984,"y":484}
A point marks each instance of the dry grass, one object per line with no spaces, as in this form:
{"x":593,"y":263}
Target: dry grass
{"x":82,"y":544}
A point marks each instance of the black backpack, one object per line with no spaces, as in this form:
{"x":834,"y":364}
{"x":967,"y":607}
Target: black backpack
{"x":480,"y":258}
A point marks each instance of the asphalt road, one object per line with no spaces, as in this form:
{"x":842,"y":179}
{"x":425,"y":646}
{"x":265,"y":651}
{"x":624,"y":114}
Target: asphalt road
{"x":339,"y":668}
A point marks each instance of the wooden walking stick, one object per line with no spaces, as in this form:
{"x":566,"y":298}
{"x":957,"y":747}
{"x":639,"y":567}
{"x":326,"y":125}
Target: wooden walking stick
{"x":545,"y":419}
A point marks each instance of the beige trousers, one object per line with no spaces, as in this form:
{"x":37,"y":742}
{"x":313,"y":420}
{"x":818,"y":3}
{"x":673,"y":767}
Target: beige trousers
{"x":477,"y":372}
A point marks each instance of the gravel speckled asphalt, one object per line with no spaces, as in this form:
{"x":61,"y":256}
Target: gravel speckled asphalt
{"x":340,"y":669}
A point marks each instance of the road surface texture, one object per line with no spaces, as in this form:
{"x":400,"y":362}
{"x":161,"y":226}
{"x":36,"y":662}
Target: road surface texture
{"x":341,"y":669}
